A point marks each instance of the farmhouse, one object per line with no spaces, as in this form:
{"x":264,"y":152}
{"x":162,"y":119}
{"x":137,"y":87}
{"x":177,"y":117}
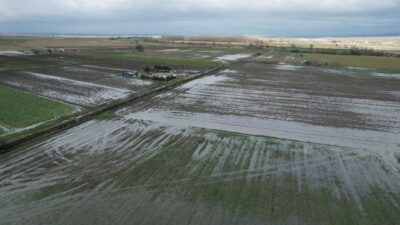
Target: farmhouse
{"x":129,"y":73}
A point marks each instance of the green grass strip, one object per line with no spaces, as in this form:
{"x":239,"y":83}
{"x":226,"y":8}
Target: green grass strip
{"x":20,"y":109}
{"x":159,"y":60}
{"x":374,"y":62}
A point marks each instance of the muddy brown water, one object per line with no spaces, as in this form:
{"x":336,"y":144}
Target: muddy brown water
{"x":175,"y":159}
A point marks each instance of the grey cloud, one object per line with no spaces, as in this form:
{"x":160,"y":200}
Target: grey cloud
{"x":200,"y":17}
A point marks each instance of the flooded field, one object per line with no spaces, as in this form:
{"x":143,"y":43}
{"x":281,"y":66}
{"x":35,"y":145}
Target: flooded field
{"x":302,"y":103}
{"x":84,"y":85}
{"x":200,"y":154}
{"x":198,"y":52}
{"x":131,"y":171}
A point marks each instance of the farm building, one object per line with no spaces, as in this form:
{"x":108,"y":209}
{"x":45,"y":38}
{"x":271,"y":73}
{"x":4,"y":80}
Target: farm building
{"x":305,"y":63}
{"x":129,"y":73}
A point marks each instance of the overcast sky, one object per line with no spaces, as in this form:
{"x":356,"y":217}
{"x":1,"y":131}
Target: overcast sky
{"x":201,"y":17}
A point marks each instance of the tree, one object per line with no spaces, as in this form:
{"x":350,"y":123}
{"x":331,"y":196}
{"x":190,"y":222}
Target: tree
{"x":140,"y":48}
{"x":311,"y":46}
{"x":36,"y":51}
{"x":354,"y":51}
{"x":294,"y":48}
{"x":147,"y":69}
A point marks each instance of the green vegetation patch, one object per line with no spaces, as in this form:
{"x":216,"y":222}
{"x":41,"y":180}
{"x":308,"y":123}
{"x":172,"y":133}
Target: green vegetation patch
{"x":106,"y":115}
{"x":376,"y":62}
{"x":159,"y":60}
{"x":20,"y":109}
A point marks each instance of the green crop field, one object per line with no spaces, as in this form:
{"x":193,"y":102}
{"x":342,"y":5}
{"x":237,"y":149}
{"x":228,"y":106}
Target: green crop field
{"x":20,"y":109}
{"x":375,"y":62}
{"x":161,"y":60}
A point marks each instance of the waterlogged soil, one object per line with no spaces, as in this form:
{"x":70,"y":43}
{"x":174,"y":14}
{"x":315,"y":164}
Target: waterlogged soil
{"x":200,"y":154}
{"x":302,"y":103}
{"x":126,"y":171}
{"x":84,"y":85}
{"x":101,"y":75}
{"x":198,"y":52}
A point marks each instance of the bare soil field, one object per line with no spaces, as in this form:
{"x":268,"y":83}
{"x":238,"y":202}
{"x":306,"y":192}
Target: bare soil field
{"x":200,"y":154}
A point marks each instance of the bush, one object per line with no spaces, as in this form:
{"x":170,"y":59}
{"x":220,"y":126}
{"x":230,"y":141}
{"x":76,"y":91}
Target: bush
{"x":158,"y":67}
{"x":147,"y":69}
{"x":140,"y":48}
{"x":168,"y":78}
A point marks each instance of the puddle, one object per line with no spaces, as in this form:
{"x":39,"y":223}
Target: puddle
{"x":232,"y":57}
{"x":171,"y":50}
{"x":15,"y":53}
{"x":228,"y":71}
{"x":139,"y":82}
{"x":287,"y":67}
{"x":210,"y":51}
{"x":388,"y":75}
